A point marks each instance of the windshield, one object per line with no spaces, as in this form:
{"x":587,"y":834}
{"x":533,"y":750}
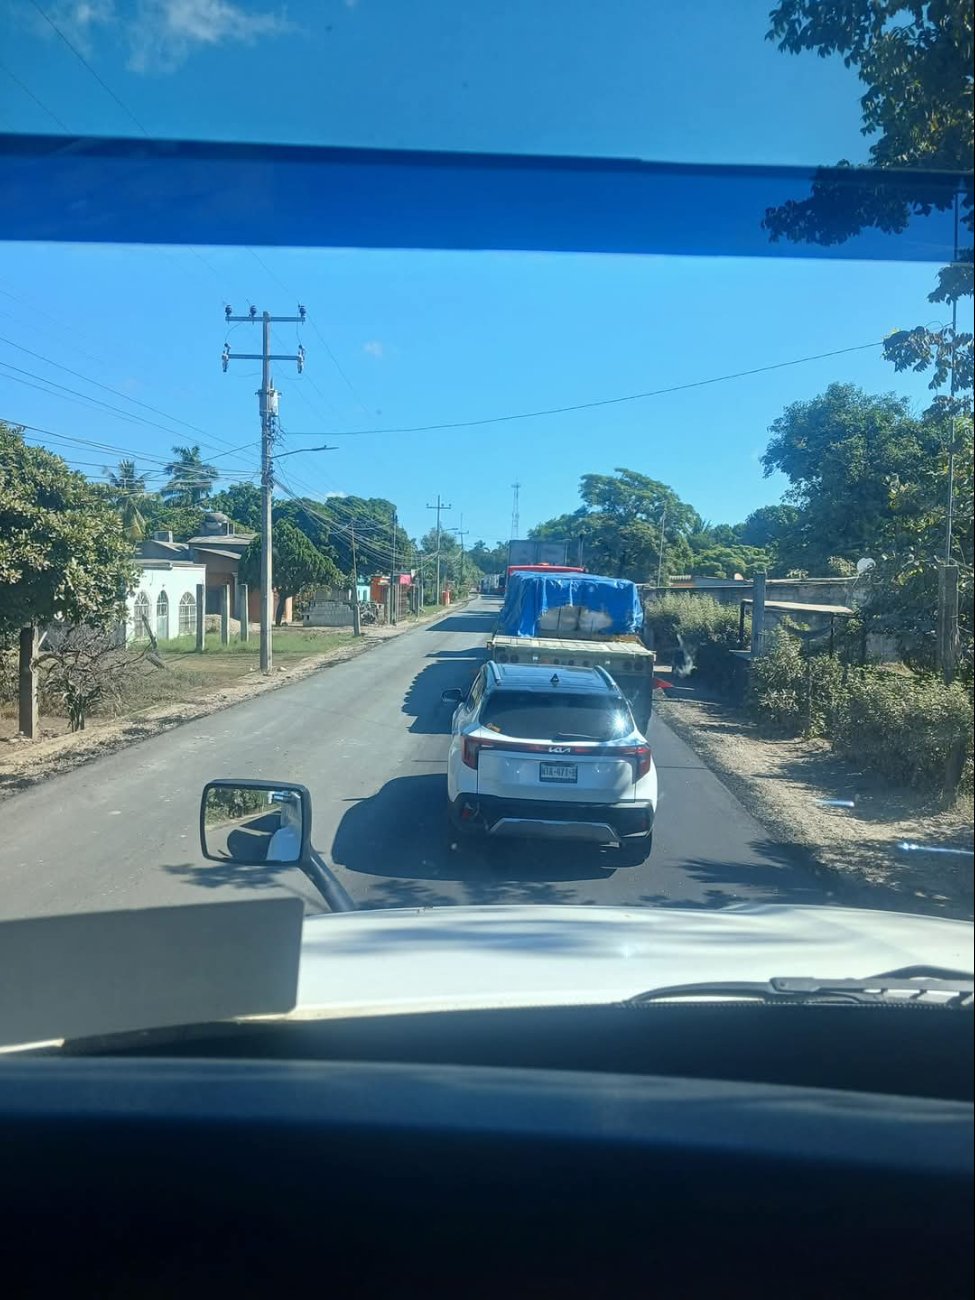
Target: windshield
{"x":683,"y":329}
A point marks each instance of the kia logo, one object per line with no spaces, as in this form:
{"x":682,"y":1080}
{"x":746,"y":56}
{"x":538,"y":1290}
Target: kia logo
{"x":559,"y":749}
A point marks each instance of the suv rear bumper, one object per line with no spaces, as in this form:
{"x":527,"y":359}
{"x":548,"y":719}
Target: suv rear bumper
{"x":595,"y":823}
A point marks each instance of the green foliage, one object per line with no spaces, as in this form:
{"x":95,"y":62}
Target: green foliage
{"x":63,"y":553}
{"x":489,"y":559}
{"x":622,"y":522}
{"x":333,"y":525}
{"x":709,"y":560}
{"x":128,"y":490}
{"x":183,"y":522}
{"x":793,"y":690}
{"x":913,"y":730}
{"x":241,"y":502}
{"x":297,"y":565}
{"x":854,"y":465}
{"x":690,"y":620}
{"x":915,"y":59}
{"x":190,"y":478}
{"x":769,"y":527}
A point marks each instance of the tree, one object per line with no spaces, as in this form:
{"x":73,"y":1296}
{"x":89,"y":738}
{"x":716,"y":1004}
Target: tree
{"x":850,"y":459}
{"x":86,"y":667}
{"x":769,"y":526}
{"x":915,"y":59}
{"x":129,"y":491}
{"x":190,"y":477}
{"x":623,"y":519}
{"x":241,"y":502}
{"x":182,"y":521}
{"x":297,"y":565}
{"x":489,"y":559}
{"x":63,"y":552}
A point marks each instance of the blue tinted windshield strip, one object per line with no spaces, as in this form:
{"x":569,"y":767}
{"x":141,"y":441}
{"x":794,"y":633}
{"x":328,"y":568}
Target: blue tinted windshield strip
{"x":64,"y":189}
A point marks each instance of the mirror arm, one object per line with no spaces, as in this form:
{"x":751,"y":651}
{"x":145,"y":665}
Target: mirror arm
{"x":334,"y":894}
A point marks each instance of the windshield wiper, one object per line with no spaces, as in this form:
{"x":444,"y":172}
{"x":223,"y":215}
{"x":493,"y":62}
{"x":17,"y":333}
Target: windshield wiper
{"x":573,"y":735}
{"x":910,"y":985}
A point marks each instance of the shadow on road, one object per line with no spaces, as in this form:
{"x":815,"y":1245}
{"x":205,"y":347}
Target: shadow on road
{"x":249,"y":877}
{"x":401,"y":836}
{"x":470,"y":621}
{"x":442,"y":671}
{"x":788,"y":875}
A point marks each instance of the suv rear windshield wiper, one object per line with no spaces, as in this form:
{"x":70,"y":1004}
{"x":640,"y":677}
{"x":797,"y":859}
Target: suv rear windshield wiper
{"x":912,"y":985}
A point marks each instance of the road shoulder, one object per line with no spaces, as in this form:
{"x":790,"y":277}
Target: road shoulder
{"x":852,"y":825}
{"x":24,"y":764}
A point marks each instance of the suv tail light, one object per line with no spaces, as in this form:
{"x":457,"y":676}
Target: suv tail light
{"x":470,"y":751}
{"x":641,"y":760}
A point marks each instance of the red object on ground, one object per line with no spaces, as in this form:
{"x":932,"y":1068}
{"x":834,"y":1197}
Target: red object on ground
{"x":660,"y":685}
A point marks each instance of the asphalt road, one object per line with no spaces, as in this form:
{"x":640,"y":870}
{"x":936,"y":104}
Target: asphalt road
{"x":369,"y":739}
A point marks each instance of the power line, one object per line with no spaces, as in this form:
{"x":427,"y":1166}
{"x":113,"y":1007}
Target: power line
{"x":587,"y":406}
{"x":84,"y":62}
{"x":39,"y":102}
{"x":105,"y":387}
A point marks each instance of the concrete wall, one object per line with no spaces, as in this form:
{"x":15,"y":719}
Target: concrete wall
{"x":810,"y":591}
{"x":164,"y":588}
{"x":328,"y":613}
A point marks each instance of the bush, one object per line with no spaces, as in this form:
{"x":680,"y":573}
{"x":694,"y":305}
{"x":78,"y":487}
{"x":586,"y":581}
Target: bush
{"x":913,"y":730}
{"x":691,"y":620}
{"x":796,"y":691}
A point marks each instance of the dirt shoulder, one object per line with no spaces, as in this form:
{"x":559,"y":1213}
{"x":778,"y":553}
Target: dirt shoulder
{"x":848,"y":822}
{"x":26,"y":763}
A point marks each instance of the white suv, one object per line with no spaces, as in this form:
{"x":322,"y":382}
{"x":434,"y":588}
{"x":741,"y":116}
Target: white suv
{"x":539,"y":750}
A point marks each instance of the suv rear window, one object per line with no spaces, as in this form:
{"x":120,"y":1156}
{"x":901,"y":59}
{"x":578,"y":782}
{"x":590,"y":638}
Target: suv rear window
{"x":531,"y":715}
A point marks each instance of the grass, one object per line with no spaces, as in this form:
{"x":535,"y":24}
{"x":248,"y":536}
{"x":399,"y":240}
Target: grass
{"x":189,"y":675}
{"x":291,"y":643}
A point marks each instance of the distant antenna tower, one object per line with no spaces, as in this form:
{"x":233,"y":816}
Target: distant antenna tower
{"x":515,"y":517}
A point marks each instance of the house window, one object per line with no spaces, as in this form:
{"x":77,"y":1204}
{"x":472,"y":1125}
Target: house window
{"x":187,"y":614}
{"x":162,"y":617}
{"x":140,"y":617}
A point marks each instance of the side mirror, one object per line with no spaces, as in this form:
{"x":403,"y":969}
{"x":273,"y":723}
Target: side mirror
{"x":451,"y":697}
{"x":255,"y":821}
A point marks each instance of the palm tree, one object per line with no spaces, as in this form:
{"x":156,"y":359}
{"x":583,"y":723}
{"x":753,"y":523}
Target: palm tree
{"x":130,"y":489}
{"x":190,"y":478}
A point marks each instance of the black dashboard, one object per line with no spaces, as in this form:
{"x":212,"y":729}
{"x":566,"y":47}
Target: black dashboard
{"x":580,"y":1151}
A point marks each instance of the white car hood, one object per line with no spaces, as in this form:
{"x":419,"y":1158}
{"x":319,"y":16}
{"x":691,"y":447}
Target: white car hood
{"x":384,"y":962}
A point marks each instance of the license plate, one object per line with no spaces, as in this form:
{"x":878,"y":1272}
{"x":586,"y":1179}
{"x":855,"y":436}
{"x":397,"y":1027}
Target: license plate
{"x":566,"y":772}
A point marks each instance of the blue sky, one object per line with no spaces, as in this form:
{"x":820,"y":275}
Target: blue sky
{"x":407,"y":338}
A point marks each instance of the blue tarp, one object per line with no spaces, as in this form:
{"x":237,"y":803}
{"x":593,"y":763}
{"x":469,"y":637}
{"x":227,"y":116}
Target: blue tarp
{"x":530,"y":595}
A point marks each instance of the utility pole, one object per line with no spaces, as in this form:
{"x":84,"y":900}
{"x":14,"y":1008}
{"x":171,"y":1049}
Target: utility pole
{"x":356,"y":624}
{"x":461,"y":534}
{"x":268,"y":400}
{"x":439,"y":507}
{"x":393,"y":593}
{"x":660,"y":548}
{"x":515,"y":513}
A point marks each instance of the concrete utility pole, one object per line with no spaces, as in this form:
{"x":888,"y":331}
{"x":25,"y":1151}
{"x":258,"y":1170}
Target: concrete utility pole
{"x":461,"y":533}
{"x":393,"y":593}
{"x":268,"y":399}
{"x":515,"y":513}
{"x":356,"y":624}
{"x":439,"y":507}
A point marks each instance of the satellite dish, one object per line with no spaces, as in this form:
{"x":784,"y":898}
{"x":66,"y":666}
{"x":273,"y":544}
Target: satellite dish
{"x":865,"y":565}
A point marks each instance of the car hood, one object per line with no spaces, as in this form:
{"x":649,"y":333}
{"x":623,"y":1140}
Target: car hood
{"x":383,"y":962}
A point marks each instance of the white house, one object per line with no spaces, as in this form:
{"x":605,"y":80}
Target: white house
{"x":165,"y":599}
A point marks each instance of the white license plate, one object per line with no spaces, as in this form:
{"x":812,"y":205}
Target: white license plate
{"x":566,"y":772}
